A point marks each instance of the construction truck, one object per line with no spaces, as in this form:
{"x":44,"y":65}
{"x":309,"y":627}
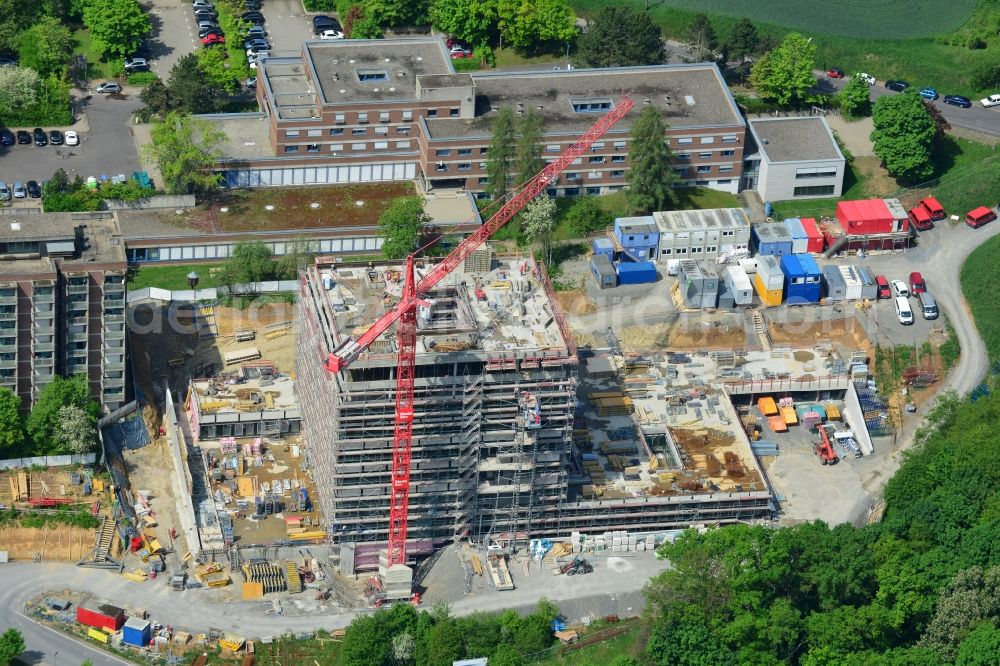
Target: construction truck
{"x":499,"y":573}
{"x":578,"y":566}
{"x":824,"y":450}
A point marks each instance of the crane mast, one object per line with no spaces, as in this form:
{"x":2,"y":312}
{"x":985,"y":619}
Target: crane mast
{"x":405,"y":312}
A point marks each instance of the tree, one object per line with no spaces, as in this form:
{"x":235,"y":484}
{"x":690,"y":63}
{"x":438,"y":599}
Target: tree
{"x":785,"y":74}
{"x":18,"y":90}
{"x":11,"y":424}
{"x":250,"y":264}
{"x":298,"y":255}
{"x":537,"y":221}
{"x":396,"y":12}
{"x":361,"y":24}
{"x":156,"y":96}
{"x":472,"y":20}
{"x":500,"y":154}
{"x":903,"y":136}
{"x":650,"y":176}
{"x":443,"y":643}
{"x":116,"y":26}
{"x":11,"y":646}
{"x":743,"y":42}
{"x":981,"y":648}
{"x":401,"y":225}
{"x":855,"y":98}
{"x":185,"y":161}
{"x":44,"y":419}
{"x":59,"y":183}
{"x":218,"y":73}
{"x":191,"y":90}
{"x":506,"y":655}
{"x":702,"y":38}
{"x":46,"y":46}
{"x":586,"y":216}
{"x":985,"y":75}
{"x":971,"y":597}
{"x":528,"y":160}
{"x":75,"y":431}
{"x":622,"y":36}
{"x":535,"y":25}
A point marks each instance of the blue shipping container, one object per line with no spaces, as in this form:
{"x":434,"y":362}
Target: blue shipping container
{"x":637,"y":273}
{"x":803,"y":279}
{"x":137,"y":632}
{"x":771,"y":238}
{"x":604,"y":246}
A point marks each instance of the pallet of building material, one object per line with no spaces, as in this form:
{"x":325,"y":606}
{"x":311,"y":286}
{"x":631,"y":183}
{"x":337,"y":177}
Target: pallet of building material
{"x":561,"y":548}
{"x":138,"y":576}
{"x":314,"y":535}
{"x":477,"y":565}
{"x":275,"y":334}
{"x":594,"y":396}
{"x":241,"y":355}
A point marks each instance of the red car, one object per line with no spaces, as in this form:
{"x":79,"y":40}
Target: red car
{"x":459,"y":52}
{"x":210,"y":39}
{"x":835,"y":73}
{"x":917,"y":284}
{"x":455,"y":41}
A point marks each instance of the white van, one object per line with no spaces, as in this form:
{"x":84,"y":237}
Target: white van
{"x":903,"y":311}
{"x":928,"y":306}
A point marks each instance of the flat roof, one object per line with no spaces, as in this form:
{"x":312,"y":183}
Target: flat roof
{"x":94,"y":236}
{"x":700,"y":220}
{"x":795,"y":139}
{"x":246,"y":135}
{"x":687,"y":96}
{"x":352,"y":70}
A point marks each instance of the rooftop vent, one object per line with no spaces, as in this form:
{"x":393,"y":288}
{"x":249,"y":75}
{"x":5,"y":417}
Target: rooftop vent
{"x":335,"y":61}
{"x":374,"y":89}
{"x":647,"y":101}
{"x":420,"y":58}
{"x":538,"y":106}
{"x":689,"y":99}
{"x":15,"y":226}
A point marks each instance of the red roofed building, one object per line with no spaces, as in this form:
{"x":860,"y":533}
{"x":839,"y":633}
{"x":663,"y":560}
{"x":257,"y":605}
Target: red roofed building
{"x":872,"y":216}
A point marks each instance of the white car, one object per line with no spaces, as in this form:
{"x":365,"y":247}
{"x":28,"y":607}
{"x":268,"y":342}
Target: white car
{"x":900,"y":288}
{"x":992,"y":100}
{"x":72,"y":138}
{"x":867,"y":78}
{"x":331,"y":34}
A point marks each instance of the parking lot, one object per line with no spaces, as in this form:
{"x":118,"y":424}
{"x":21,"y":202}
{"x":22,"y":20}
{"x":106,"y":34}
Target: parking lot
{"x":106,"y":147}
{"x":173,"y":33}
{"x":287,"y":26}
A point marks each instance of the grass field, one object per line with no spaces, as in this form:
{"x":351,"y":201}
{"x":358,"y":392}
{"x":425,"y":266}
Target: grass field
{"x":172,"y":277}
{"x":980,"y":275}
{"x":95,"y":68}
{"x":599,"y":654}
{"x":887,"y":38}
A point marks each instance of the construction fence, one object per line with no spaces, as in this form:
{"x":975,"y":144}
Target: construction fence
{"x":213,"y":293}
{"x":50,"y":461}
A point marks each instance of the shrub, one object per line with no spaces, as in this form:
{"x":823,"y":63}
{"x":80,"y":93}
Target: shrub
{"x":319,"y":5}
{"x":142,"y":78}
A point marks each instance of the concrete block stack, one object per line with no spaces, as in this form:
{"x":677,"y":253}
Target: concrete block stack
{"x":397,"y":580}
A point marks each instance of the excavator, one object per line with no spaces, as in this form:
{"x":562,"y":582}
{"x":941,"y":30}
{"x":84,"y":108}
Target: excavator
{"x":824,"y":450}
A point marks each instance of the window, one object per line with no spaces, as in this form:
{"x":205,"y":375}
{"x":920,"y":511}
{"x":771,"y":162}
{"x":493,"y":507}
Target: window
{"x":591,"y":105}
{"x":685,"y":141}
{"x":617,"y":158}
{"x":696,"y":250}
{"x":704,"y":169}
{"x":358,"y":146}
{"x":465,"y":166}
{"x":573,"y":176}
{"x":594,"y":175}
{"x":821,"y":172}
{"x":572,"y":191}
{"x":312,"y":148}
{"x":339,"y":119}
{"x":711,"y":248}
{"x":291,"y":149}
{"x":618,"y":174}
{"x":597,"y":146}
{"x":357,"y":131}
{"x":681,"y":172}
{"x":381,"y":131}
{"x":681,"y":250}
{"x":336,"y":147}
{"x":484,"y":150}
{"x":593,"y":190}
{"x":726,"y":167}
{"x":441,"y":166}
{"x":366,"y":75}
{"x":816,"y":190}
{"x":730,"y":138}
{"x":708,"y":139}
{"x":453,"y":113}
{"x":596,"y":159}
{"x":728,"y":153}
{"x":683,"y":156}
{"x":337,"y":131}
{"x":383,"y":117}
{"x":314,"y":132}
{"x":552,"y":148}
{"x":381,"y":145}
{"x":402,"y":129}
{"x":362,"y":117}
{"x":402,"y":144}
{"x":464,"y":151}
{"x":432,"y":113}
{"x":407,"y":115}
{"x":291,"y":134}
{"x":483,"y":181}
{"x":619,"y":145}
{"x":704,"y":156}
{"x":724,"y":182}
{"x":728,"y":233}
{"x":442,"y":152}
{"x":666,"y":251}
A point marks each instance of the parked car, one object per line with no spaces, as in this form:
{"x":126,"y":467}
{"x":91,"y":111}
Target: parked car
{"x":883,"y":287}
{"x":34,"y":189}
{"x":251,"y":83}
{"x":898,"y":86}
{"x":211,"y":31}
{"x":928,"y":306}
{"x":929,"y":93}
{"x":252,"y":16}
{"x":256,"y":32}
{"x":980,"y":216}
{"x":207,"y":23}
{"x":903,"y":312}
{"x":957,"y":100}
{"x":23,"y":137}
{"x":39,"y":135}
{"x":4,"y":191}
{"x":56,"y":138}
{"x":458,"y":52}
{"x":212,"y":39}
{"x":835,"y":73}
{"x":19,"y":191}
{"x":866,"y":77}
{"x":455,"y":41}
{"x":252,"y":4}
{"x":202,"y":3}
{"x":258,"y":46}
{"x":900,"y":288}
{"x":321,"y":23}
{"x":206,"y":13}
{"x":72,"y":138}
{"x":6,"y":61}
{"x":991,"y":101}
{"x":7,"y":137}
{"x":109,"y":87}
{"x":331,"y":34}
{"x":917,"y":284}
{"x":255,"y":20}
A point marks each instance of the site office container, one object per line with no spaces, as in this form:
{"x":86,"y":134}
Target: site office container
{"x":768,"y":297}
{"x":871,"y":216}
{"x":833,"y":282}
{"x":640,"y":272}
{"x":803,"y":279}
{"x":769,"y":281}
{"x":813,"y":234}
{"x":933,"y":208}
{"x":739,"y":284}
{"x":101,"y":616}
{"x":604,"y":271}
{"x":854,"y":286}
{"x":137,"y":632}
{"x":869,"y":287}
{"x":605,"y":247}
{"x":800,"y":241}
{"x":772,"y":238}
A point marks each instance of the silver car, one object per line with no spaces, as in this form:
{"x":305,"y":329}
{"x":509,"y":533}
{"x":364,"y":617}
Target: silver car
{"x":19,"y":191}
{"x":4,"y":191}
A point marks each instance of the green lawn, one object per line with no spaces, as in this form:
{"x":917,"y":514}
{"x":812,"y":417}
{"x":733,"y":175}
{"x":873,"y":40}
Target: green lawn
{"x":95,"y":68}
{"x":886,"y":38}
{"x":980,"y":274}
{"x":510,"y":58}
{"x":172,"y":277}
{"x":599,"y":654}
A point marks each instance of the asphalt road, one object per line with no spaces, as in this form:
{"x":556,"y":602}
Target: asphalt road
{"x":978,"y":118}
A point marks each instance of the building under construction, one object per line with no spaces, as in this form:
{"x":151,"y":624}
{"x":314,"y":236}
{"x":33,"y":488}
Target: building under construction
{"x":493,"y":454}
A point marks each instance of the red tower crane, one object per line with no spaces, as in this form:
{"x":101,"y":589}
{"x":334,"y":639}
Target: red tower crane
{"x":405,"y":312}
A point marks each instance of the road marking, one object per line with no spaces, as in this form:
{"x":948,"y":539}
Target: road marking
{"x":75,"y":640}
